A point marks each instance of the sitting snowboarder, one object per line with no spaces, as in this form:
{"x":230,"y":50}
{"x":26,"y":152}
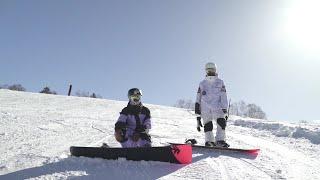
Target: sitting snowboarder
{"x":211,"y":105}
{"x":132,"y":127}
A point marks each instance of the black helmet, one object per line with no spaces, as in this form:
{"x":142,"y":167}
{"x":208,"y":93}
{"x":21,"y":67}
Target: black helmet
{"x":134,"y":96}
{"x":134,"y":91}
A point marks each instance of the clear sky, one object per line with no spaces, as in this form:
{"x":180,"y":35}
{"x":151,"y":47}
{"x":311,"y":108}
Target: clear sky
{"x":267,"y":51}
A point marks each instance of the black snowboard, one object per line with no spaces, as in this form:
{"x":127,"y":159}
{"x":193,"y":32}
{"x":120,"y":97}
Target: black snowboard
{"x":180,"y":154}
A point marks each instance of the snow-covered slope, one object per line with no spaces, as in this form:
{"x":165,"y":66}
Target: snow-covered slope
{"x":36,"y":131}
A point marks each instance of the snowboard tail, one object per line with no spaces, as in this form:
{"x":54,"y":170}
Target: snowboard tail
{"x":217,"y":148}
{"x":247,"y":151}
{"x":179,"y":154}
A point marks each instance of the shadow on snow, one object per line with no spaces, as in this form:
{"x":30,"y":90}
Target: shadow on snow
{"x":96,"y":168}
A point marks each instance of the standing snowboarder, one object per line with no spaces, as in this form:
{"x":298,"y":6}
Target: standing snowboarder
{"x":133,"y":125}
{"x":212,"y":104}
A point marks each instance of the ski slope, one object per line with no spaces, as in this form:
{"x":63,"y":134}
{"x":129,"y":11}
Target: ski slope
{"x":36,"y":131}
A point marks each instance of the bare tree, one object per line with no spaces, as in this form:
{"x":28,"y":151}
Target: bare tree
{"x":184,"y":103}
{"x":95,"y":95}
{"x":87,"y":94}
{"x":255,"y":111}
{"x":17,"y":87}
{"x":238,"y":108}
{"x":82,"y":94}
{"x":46,"y":90}
{"x":247,"y":110}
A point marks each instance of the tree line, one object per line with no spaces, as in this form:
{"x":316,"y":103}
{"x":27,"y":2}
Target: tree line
{"x":240,"y":108}
{"x":47,"y":90}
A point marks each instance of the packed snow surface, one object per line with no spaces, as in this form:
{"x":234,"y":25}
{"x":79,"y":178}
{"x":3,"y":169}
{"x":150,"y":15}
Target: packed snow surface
{"x":36,"y":131}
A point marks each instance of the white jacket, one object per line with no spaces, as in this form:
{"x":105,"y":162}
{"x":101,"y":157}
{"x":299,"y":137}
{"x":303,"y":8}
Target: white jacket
{"x":212,"y":95}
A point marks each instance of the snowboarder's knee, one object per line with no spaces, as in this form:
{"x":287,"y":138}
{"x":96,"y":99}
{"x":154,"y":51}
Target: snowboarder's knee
{"x":208,"y":126}
{"x":222,"y":123}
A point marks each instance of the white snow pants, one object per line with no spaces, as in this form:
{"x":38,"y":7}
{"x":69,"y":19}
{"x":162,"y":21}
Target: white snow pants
{"x":211,"y":115}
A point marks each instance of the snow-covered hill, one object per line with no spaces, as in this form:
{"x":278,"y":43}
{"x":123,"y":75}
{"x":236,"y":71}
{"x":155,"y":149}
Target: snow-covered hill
{"x":36,"y":131}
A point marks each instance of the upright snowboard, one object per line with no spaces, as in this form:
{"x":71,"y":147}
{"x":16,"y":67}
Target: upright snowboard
{"x":180,"y":154}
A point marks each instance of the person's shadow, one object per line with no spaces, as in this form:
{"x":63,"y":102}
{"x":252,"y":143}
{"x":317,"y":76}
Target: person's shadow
{"x":96,"y":168}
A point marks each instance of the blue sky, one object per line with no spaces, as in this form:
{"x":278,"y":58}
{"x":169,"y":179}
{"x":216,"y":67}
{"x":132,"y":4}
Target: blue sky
{"x":262,"y":51}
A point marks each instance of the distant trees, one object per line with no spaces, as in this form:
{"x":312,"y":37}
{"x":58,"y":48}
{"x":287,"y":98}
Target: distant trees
{"x":82,"y":94}
{"x":184,"y":103}
{"x":240,"y":108}
{"x":94,"y":95}
{"x":46,"y":90}
{"x":247,"y":110}
{"x":14,"y":87}
{"x":87,"y":94}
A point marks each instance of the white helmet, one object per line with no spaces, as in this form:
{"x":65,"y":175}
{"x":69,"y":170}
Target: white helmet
{"x":211,"y":67}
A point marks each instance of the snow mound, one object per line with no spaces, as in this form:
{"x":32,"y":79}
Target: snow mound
{"x":316,"y":121}
{"x":311,"y":133}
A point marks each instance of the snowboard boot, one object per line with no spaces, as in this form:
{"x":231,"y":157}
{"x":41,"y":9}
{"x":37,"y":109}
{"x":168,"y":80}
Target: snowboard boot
{"x":222,"y":144}
{"x":210,"y":144}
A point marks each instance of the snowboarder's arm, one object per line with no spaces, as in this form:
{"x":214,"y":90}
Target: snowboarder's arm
{"x":143,"y":131}
{"x":122,"y":120}
{"x":198,"y":102}
{"x":223,"y":97}
{"x":121,"y":126}
{"x":147,"y":121}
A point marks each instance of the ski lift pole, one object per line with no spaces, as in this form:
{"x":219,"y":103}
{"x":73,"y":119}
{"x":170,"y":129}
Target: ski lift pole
{"x":70,"y":87}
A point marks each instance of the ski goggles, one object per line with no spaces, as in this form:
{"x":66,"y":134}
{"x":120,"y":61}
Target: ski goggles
{"x":210,"y":70}
{"x":135,"y":97}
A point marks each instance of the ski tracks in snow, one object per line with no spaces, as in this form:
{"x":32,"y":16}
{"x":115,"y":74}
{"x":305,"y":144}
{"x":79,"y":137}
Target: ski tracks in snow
{"x":224,"y":172}
{"x":276,"y":160}
{"x":228,"y":166}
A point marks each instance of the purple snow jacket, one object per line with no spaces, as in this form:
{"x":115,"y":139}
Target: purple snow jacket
{"x":135,"y":120}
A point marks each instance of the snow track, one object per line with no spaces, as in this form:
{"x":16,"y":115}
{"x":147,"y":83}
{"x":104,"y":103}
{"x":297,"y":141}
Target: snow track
{"x":279,"y":161}
{"x":37,"y":130}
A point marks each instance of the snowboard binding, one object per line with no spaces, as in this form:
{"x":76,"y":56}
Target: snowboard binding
{"x":191,"y":141}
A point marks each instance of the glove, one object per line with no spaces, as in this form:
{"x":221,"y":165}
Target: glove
{"x":136,"y":136}
{"x":119,"y":135}
{"x":140,"y":133}
{"x":145,"y":136}
{"x":199,"y":124}
{"x":225,"y":113}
